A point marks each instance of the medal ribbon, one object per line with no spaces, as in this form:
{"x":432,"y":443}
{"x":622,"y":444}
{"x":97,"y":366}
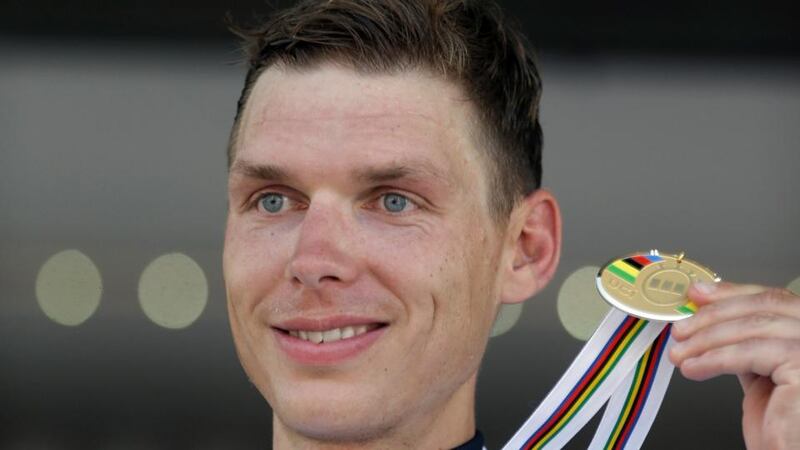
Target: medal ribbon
{"x":624,"y":361}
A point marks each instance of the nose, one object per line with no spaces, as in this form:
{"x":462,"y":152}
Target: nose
{"x":324,"y":252}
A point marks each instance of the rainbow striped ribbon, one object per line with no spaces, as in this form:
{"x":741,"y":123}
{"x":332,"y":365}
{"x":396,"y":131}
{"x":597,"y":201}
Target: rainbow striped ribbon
{"x":634,"y":405}
{"x":625,"y":360}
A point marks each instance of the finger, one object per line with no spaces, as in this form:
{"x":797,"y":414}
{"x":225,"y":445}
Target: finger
{"x":703,"y":293}
{"x":746,"y":380}
{"x":753,"y":326}
{"x":775,"y":358}
{"x":779,"y":302}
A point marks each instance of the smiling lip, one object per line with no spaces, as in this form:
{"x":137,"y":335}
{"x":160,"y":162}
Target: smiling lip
{"x":307,"y":352}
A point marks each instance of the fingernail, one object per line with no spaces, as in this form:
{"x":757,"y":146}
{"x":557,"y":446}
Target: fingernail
{"x":674,"y":355}
{"x":681,"y":327}
{"x":679,"y":332}
{"x":705,"y":287}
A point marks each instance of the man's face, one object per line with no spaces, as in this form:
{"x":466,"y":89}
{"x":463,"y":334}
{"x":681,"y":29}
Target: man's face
{"x":359,"y":217}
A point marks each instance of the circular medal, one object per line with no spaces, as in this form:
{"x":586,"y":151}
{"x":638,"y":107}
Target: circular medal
{"x":652,"y":286}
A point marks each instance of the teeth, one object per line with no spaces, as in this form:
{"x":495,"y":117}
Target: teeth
{"x":348,"y":332}
{"x":333,"y":335}
{"x":315,"y":336}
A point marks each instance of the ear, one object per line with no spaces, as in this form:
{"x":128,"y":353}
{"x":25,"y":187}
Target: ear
{"x":533,"y":247}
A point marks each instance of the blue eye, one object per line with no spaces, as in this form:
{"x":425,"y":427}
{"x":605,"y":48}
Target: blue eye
{"x":395,"y":202}
{"x":271,"y":202}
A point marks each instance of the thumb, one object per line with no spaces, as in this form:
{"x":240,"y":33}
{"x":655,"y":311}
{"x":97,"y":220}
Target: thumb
{"x":703,"y":293}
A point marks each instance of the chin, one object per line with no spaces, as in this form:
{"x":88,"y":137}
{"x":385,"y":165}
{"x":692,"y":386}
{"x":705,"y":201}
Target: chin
{"x":340,"y":432}
{"x":334,"y":416}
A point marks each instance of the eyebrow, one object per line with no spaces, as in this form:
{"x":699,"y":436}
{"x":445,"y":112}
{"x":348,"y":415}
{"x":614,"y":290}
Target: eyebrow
{"x":260,"y":171}
{"x":418,"y":170}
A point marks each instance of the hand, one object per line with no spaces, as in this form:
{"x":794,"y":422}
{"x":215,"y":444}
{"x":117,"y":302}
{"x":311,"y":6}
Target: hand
{"x":753,"y":332}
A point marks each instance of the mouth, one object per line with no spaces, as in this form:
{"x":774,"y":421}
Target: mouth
{"x":334,"y":334}
{"x":325,"y":342}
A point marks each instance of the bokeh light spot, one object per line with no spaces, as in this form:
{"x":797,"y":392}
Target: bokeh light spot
{"x":69,"y":287}
{"x":794,"y":286}
{"x":506,"y":318}
{"x":173,"y":291}
{"x":580,"y":307}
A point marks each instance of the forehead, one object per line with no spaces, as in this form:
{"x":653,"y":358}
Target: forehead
{"x":334,"y":114}
{"x":332,"y":92}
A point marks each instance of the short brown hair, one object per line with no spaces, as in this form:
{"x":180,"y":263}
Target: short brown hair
{"x":466,"y":41}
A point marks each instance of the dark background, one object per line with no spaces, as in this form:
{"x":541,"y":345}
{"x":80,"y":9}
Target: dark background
{"x":735,"y":28}
{"x":672,"y":126}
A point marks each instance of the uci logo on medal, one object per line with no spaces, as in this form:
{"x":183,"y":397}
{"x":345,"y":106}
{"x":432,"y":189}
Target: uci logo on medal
{"x":666,"y":287}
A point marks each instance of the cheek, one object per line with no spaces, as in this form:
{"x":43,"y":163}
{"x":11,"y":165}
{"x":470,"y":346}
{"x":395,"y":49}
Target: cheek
{"x":253,"y":263}
{"x":450,"y":304}
{"x":441,"y":278}
{"x":408,"y":260}
{"x":465,"y":295}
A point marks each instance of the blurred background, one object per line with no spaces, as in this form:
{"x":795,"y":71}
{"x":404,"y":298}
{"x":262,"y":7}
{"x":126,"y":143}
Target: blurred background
{"x":671,"y":126}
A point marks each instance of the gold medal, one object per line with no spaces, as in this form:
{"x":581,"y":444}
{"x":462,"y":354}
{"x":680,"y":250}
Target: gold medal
{"x":652,"y":286}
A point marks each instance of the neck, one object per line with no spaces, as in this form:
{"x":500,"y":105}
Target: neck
{"x":443,"y":427}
